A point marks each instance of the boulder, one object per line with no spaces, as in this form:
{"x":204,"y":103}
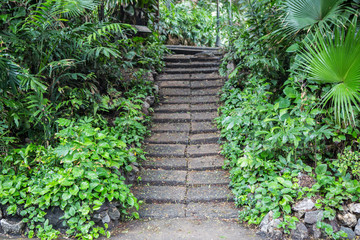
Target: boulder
{"x":150,"y":100}
{"x":316,"y":232}
{"x":347,"y":219}
{"x":304,"y":205}
{"x":350,"y":233}
{"x":335,"y":225}
{"x":145,"y":108}
{"x":354,"y":208}
{"x":357,"y":228}
{"x":269,"y":226}
{"x":102,"y":216}
{"x":313,"y":216}
{"x":301,"y":232}
{"x":10,"y":227}
{"x":114,"y":213}
{"x":264,"y":225}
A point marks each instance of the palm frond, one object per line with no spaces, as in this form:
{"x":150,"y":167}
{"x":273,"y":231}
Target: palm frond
{"x":335,"y":59}
{"x":305,"y":14}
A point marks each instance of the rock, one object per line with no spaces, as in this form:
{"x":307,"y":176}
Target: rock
{"x":135,"y":169}
{"x":114,"y":213}
{"x":277,"y":235}
{"x":106,"y":219}
{"x":268,"y":226}
{"x":149,"y":76}
{"x":316,"y":232}
{"x":150,"y":100}
{"x":230,"y":67}
{"x":349,"y":232}
{"x":300,"y":233}
{"x":313,"y":216}
{"x":354,"y":208}
{"x":156,"y":89}
{"x":145,"y":108}
{"x":357,"y":228}
{"x":264,"y":225}
{"x":304,"y":205}
{"x":54,"y":215}
{"x":1,"y":216}
{"x":299,"y":214}
{"x":102,"y":216}
{"x":347,"y":219}
{"x":12,"y":227}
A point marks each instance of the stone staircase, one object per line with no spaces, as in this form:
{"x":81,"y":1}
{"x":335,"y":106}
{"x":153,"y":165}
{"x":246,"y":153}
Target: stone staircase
{"x":183,"y":176}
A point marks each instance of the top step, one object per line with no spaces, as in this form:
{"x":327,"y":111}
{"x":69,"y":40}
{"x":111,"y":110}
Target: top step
{"x":190,"y":50}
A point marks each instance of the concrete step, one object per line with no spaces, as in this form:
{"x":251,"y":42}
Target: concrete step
{"x":160,"y":194}
{"x":181,"y":58}
{"x":170,"y":127}
{"x":190,"y":70}
{"x":165,"y":210}
{"x":191,"y":50}
{"x":193,"y":65}
{"x":205,"y":107}
{"x":202,"y":150}
{"x":165,"y":150}
{"x":189,"y":77}
{"x":203,"y":116}
{"x":203,"y":127}
{"x":206,"y":92}
{"x":175,"y":91}
{"x":191,"y":99}
{"x":210,"y":177}
{"x":156,"y":177}
{"x":174,"y":84}
{"x":222,"y":210}
{"x":209,"y":193}
{"x":206,"y":84}
{"x":206,"y":163}
{"x":167,"y":163}
{"x":168,"y":138}
{"x":202,"y":138}
{"x":171,"y":117}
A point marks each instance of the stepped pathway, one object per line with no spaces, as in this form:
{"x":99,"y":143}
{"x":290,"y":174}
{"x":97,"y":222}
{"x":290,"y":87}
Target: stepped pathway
{"x":184,"y":189}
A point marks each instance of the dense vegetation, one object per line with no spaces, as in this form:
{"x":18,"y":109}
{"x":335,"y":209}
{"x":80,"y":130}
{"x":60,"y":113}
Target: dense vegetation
{"x":73,"y":82}
{"x":291,"y":115}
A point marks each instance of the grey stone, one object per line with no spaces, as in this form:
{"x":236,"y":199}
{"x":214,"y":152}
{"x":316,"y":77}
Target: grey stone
{"x":354,"y":208}
{"x":316,"y":232}
{"x":347,"y":219}
{"x":313,"y":216}
{"x":12,"y":227}
{"x":145,"y":108}
{"x":357,"y":228}
{"x":135,"y":169}
{"x":304,"y":205}
{"x":1,"y":216}
{"x":264,"y":225}
{"x":106,"y":218}
{"x":300,"y":233}
{"x":150,"y":100}
{"x":114,"y":213}
{"x":277,"y":235}
{"x":350,"y":233}
{"x":102,"y":216}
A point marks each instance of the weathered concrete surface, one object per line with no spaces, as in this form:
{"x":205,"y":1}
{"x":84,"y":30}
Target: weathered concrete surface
{"x":183,"y":229}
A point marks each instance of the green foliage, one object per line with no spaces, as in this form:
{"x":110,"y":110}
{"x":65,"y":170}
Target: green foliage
{"x":280,"y":145}
{"x":305,"y":14}
{"x":187,"y":23}
{"x":336,"y":59}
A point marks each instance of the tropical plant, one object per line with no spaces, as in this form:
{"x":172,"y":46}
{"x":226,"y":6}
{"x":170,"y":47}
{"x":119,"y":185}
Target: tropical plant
{"x":305,"y":14}
{"x":335,"y":59}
